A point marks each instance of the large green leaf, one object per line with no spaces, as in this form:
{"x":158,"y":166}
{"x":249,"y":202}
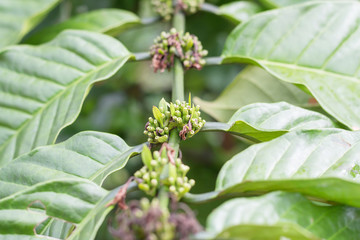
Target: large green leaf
{"x":108,"y":21}
{"x":313,"y":44}
{"x":75,"y":201}
{"x":323,"y":164}
{"x":85,"y":156}
{"x":252,"y":85}
{"x":42,"y":88}
{"x":239,"y":11}
{"x":18,"y":17}
{"x":266,"y":121}
{"x":282,"y":216}
{"x":284,"y":3}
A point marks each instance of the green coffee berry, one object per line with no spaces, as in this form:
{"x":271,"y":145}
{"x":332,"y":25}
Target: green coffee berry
{"x":186,"y":46}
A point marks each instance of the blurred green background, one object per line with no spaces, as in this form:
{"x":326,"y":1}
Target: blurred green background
{"x":122,"y":104}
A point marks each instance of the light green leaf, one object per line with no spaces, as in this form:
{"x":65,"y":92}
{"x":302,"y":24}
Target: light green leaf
{"x":252,"y":85}
{"x":323,"y":164}
{"x":107,"y":21}
{"x":86,"y":156}
{"x":313,"y":44}
{"x":42,"y":88}
{"x":282,"y":216}
{"x":18,"y":17}
{"x":285,"y":3}
{"x":266,"y":121}
{"x":239,"y":11}
{"x":75,"y":201}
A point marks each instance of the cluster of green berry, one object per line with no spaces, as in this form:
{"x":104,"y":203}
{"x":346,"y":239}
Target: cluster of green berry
{"x":179,"y":115}
{"x":160,"y":169}
{"x":177,"y":182}
{"x":165,"y":8}
{"x":148,"y":177}
{"x":173,"y":44}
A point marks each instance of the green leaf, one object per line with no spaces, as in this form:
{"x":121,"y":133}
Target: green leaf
{"x":252,"y":85}
{"x":107,"y":21}
{"x":18,"y":17}
{"x":266,"y":121}
{"x":42,"y":88}
{"x":239,"y":11}
{"x":319,"y":163}
{"x":85,"y":156}
{"x":313,"y":44}
{"x":282,"y":216}
{"x":79,"y":202}
{"x":284,"y":3}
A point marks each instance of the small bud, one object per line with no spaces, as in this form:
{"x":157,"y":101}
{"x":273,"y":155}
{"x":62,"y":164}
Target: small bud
{"x":154,"y":182}
{"x":143,"y":187}
{"x":192,"y":182}
{"x":172,"y":188}
{"x":171,"y":180}
{"x":146,"y":177}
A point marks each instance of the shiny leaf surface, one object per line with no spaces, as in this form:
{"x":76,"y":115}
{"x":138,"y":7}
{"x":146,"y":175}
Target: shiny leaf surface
{"x":278,"y":215}
{"x":323,"y":164}
{"x":239,"y":11}
{"x":266,"y":121}
{"x":313,"y":44}
{"x":42,"y":88}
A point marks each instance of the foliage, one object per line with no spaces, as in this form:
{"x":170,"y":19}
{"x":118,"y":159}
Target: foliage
{"x":293,"y":109}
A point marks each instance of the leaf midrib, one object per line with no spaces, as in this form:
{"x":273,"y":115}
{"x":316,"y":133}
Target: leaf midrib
{"x":61,"y":92}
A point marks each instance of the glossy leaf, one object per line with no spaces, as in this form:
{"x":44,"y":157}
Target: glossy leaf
{"x":266,"y":121}
{"x":42,"y":88}
{"x":323,"y":164}
{"x":86,"y":156}
{"x":74,"y":201}
{"x":18,"y":17}
{"x":285,"y":3}
{"x":239,"y":11}
{"x":107,"y":21}
{"x":252,"y":85}
{"x":313,"y":44}
{"x":282,"y":216}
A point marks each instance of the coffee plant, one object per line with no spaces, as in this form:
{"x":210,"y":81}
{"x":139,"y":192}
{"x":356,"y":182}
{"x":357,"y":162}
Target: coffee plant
{"x":295,"y":103}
